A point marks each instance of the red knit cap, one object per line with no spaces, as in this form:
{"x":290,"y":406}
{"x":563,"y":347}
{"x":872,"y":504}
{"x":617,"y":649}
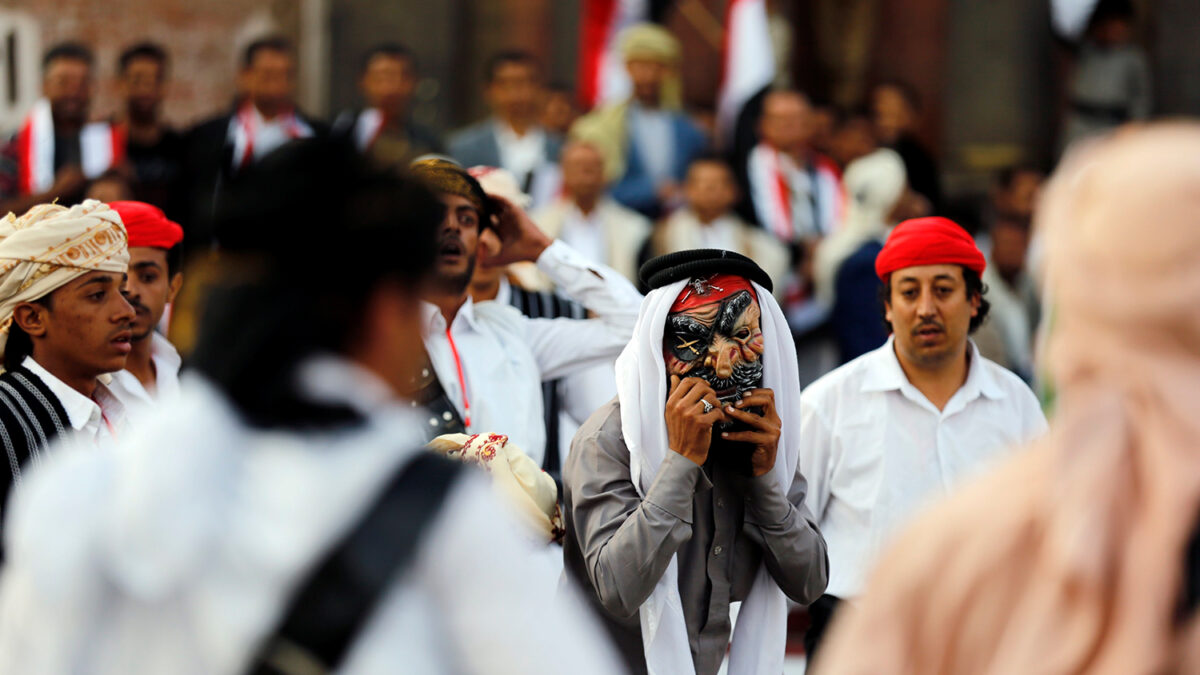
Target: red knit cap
{"x":928,"y":241}
{"x":147,"y":225}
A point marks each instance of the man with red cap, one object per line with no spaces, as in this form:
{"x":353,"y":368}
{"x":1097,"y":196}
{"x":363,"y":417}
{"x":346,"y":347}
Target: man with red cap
{"x":151,"y":374}
{"x":901,"y":425}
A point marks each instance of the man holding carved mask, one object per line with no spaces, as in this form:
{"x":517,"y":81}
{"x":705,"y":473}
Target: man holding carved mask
{"x":683,"y":494}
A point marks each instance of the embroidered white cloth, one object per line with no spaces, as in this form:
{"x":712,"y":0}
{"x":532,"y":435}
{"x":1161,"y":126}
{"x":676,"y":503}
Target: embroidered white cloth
{"x":516,"y":477}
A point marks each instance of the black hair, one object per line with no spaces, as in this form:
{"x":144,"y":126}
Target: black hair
{"x":974,"y":284}
{"x":392,"y":50}
{"x":907,"y":91}
{"x":175,"y":260}
{"x":67,"y":50}
{"x":1107,"y":10}
{"x":308,"y":268}
{"x":271,"y":43}
{"x":505,"y":57}
{"x":143,"y":50}
{"x":19,"y":344}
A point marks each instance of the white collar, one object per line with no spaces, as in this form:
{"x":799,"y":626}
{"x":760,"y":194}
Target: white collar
{"x":79,"y":408}
{"x":164,"y":353}
{"x":433,"y":321}
{"x":886,"y":374}
{"x":504,"y":293}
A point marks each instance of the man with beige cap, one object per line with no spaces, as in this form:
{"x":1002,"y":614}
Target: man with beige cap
{"x":63,"y":324}
{"x":647,"y":141}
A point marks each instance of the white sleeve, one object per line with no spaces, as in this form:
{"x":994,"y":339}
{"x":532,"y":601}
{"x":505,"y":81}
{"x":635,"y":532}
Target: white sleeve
{"x":563,"y":346}
{"x":816,"y":448}
{"x":496,"y":595}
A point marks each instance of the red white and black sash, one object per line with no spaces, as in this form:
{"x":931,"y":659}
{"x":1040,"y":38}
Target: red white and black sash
{"x":101,"y":146}
{"x":795,"y":202}
{"x":245,"y":128}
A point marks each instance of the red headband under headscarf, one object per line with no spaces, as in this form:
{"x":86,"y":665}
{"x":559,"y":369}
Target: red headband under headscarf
{"x":147,"y":225}
{"x":706,"y":290}
{"x":928,"y":241}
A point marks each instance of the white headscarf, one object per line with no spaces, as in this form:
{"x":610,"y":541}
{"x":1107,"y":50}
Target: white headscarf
{"x":51,"y":245}
{"x":760,"y":636}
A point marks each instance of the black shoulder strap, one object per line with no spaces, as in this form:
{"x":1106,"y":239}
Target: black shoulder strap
{"x":333,"y":605}
{"x":429,"y":393}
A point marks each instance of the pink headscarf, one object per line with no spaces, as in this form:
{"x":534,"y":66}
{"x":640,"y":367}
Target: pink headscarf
{"x":1069,"y":559}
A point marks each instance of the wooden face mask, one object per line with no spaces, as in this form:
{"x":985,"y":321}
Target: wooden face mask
{"x":713,"y":332}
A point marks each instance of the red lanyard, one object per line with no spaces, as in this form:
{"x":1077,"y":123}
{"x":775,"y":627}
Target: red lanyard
{"x":111,"y":429}
{"x":462,"y":383}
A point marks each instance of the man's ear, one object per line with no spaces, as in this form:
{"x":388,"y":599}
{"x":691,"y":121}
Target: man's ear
{"x":174,"y":286}
{"x":31,"y":318}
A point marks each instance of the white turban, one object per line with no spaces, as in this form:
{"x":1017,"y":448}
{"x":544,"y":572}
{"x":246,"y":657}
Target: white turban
{"x":50,"y":246}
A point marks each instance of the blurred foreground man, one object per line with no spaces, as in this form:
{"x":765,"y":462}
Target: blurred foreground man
{"x":283,"y":516}
{"x":63,"y":324}
{"x":684,"y":493}
{"x":1080,"y":554}
{"x":900,"y":425}
{"x":151,"y":374}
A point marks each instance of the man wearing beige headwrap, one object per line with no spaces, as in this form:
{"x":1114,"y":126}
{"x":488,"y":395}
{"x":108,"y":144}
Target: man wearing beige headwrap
{"x":646,"y":141}
{"x":63,"y":324}
{"x":1078,"y":555}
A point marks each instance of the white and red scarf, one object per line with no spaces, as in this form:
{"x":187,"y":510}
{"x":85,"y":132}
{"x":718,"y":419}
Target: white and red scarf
{"x":246,"y":127}
{"x":791,"y":201}
{"x":101,"y":146}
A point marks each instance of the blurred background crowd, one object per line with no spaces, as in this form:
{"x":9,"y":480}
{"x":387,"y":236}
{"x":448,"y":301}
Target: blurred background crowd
{"x":977,"y":102}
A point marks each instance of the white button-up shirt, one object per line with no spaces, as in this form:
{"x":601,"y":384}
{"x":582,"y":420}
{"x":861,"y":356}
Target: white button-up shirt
{"x":505,"y":355}
{"x":875,"y":450}
{"x":139,"y":402}
{"x":98,"y":421}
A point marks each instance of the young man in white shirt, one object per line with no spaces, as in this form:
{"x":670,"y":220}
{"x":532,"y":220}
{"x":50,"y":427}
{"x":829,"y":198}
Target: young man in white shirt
{"x":900,"y":426}
{"x":489,"y":359}
{"x":63,"y":324}
{"x":151,"y":373}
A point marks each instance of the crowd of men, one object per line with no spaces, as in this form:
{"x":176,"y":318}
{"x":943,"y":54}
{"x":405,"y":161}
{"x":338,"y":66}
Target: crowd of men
{"x":704,"y":389}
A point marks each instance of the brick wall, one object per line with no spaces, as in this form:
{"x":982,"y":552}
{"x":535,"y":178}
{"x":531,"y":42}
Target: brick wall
{"x":203,"y":37}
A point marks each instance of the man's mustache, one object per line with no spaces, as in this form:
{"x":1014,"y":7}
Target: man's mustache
{"x":928,"y":323}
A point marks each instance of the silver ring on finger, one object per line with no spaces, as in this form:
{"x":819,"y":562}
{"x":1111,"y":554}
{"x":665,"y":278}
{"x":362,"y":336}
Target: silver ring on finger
{"x":707,"y":406}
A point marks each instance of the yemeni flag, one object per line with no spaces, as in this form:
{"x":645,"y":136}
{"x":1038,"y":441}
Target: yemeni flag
{"x":748,"y":65}
{"x":602,"y":76}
